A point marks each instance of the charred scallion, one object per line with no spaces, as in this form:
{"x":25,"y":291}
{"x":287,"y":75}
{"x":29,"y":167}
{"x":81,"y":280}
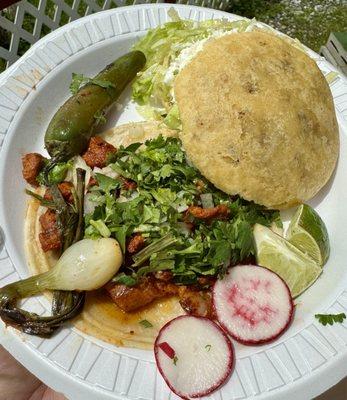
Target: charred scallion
{"x":85,"y":265}
{"x":159,"y":245}
{"x":70,"y":222}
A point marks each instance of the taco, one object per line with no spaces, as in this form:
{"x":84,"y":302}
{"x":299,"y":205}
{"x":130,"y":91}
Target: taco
{"x":174,"y":227}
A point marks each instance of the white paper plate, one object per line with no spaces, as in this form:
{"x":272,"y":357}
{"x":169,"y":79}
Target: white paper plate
{"x":304,"y":362}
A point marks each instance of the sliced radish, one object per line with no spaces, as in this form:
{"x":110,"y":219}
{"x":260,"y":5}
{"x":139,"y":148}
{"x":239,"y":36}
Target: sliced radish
{"x":253,"y":304}
{"x":193,"y":355}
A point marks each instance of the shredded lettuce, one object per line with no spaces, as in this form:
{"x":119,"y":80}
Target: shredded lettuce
{"x":172,"y":119}
{"x":153,"y":87}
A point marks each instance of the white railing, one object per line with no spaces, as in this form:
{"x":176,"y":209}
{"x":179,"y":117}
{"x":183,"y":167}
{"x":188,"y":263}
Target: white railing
{"x":48,"y":15}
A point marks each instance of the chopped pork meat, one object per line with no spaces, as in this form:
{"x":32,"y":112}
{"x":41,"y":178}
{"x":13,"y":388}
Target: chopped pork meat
{"x":130,"y":298}
{"x":136,"y":243}
{"x":220,"y":212}
{"x":49,"y":237}
{"x":98,"y":152}
{"x":32,"y":164}
{"x":65,"y":190}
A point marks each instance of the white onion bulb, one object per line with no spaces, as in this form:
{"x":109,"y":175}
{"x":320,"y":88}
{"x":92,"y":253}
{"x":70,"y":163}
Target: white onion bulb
{"x":87,"y":265}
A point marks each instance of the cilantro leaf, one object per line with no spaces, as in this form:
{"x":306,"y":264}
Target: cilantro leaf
{"x":151,"y":214}
{"x":100,"y":118}
{"x":330,"y":319}
{"x":101,"y":227}
{"x":124,"y":279}
{"x":120,"y":234}
{"x":146,"y":324}
{"x":244,"y":239}
{"x":79,"y":80}
{"x":105,"y":183}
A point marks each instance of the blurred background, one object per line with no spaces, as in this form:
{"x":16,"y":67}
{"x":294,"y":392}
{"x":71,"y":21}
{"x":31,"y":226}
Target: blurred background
{"x":311,"y":21}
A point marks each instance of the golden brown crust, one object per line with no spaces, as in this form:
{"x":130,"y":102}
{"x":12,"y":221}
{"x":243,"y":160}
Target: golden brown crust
{"x":260,"y":122}
{"x":133,"y":298}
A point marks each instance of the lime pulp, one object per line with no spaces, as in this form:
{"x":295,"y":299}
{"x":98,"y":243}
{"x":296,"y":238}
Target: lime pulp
{"x":295,"y":267}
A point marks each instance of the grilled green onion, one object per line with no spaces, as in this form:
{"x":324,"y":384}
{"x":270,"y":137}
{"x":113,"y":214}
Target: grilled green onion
{"x":160,"y":244}
{"x":86,"y":265}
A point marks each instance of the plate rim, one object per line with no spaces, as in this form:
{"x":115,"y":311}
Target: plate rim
{"x":10,"y":339}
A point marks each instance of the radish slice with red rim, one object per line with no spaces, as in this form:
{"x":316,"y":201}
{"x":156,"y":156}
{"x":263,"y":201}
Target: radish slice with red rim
{"x":253,"y":304}
{"x":193,"y":355}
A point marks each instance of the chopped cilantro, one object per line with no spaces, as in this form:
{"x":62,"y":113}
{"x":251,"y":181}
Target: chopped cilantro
{"x":99,"y":117}
{"x":79,"y":80}
{"x":166,"y":186}
{"x":330,"y":319}
{"x":124,"y":279}
{"x":146,"y":324}
{"x":174,"y":360}
{"x":208,"y":347}
{"x":101,"y":227}
{"x":53,"y":172}
{"x":106,"y":184}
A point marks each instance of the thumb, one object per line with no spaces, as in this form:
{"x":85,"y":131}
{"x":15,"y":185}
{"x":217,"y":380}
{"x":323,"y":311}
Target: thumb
{"x":45,"y":393}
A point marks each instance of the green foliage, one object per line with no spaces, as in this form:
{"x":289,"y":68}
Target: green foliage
{"x":330,"y":319}
{"x":310,"y":21}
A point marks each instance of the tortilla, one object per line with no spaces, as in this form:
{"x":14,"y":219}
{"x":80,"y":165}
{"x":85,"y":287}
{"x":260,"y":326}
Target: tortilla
{"x":258,"y":119}
{"x":101,"y":318}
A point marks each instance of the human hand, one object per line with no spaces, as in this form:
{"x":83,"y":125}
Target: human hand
{"x":17,"y":383}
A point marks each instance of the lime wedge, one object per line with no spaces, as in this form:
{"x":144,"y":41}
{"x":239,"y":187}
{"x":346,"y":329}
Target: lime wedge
{"x":308,"y":233}
{"x":297,"y":269}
